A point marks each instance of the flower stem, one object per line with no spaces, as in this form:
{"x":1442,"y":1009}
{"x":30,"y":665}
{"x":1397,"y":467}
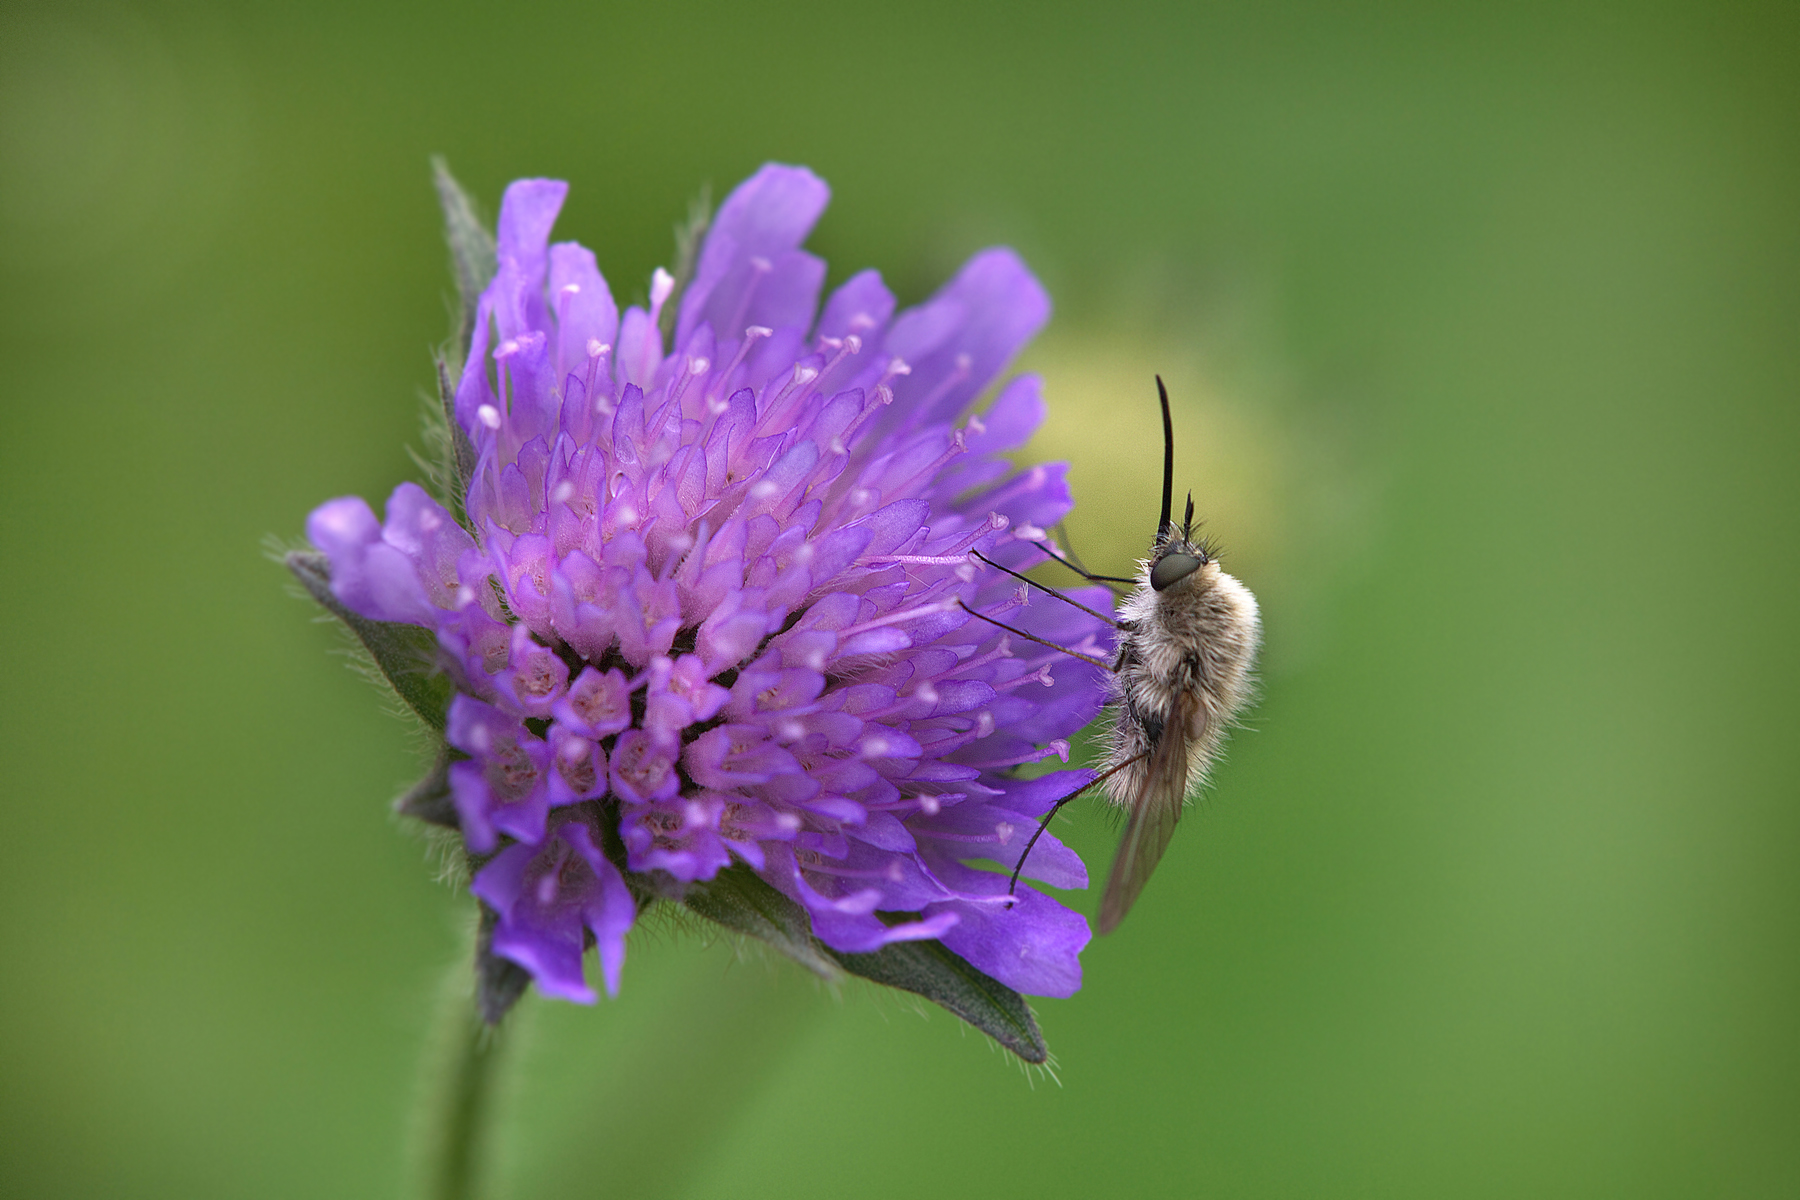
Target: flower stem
{"x":453,"y":1106}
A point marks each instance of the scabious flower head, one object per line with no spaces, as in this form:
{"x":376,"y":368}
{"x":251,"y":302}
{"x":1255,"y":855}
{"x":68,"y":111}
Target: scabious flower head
{"x":706,"y":601}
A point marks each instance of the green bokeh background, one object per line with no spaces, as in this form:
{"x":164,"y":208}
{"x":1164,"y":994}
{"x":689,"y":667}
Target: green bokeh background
{"x":1483,"y":324}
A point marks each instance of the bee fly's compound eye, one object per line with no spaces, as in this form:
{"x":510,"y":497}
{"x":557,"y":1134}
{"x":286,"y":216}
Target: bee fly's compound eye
{"x":1172,"y":568}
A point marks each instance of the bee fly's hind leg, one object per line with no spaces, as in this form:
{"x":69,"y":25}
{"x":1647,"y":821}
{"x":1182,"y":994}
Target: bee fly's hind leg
{"x":1058,"y":806}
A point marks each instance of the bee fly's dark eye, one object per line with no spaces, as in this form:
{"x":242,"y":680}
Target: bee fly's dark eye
{"x":1172,"y":568}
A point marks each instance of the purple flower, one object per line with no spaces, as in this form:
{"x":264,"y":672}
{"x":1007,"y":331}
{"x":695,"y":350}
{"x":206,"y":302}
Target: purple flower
{"x":709,"y":602}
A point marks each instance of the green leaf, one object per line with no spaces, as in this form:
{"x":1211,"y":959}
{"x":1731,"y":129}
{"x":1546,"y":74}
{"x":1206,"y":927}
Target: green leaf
{"x":932,"y":970}
{"x":741,"y":901}
{"x":471,"y":249}
{"x":405,"y":654}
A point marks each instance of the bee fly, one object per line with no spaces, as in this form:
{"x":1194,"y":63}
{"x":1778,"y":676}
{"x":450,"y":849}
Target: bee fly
{"x":1186,"y":641}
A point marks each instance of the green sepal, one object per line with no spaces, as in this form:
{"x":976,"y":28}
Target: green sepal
{"x":742,"y":902}
{"x":499,"y":982}
{"x":934,"y":971}
{"x":471,"y":250}
{"x":430,"y":799}
{"x":406,"y":655}
{"x":453,"y":462}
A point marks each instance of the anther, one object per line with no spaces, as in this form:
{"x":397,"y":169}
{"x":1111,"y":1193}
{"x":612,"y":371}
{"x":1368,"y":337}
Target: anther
{"x":489,"y":416}
{"x":662,"y":285}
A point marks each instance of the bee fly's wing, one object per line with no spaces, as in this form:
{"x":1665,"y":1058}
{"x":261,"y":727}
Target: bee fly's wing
{"x":1154,"y":812}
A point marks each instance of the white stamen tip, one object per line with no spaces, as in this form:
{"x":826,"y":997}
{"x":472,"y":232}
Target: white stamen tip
{"x":998,"y":520}
{"x":760,"y":263}
{"x":976,"y":424}
{"x":1003,"y":831}
{"x":897,"y":366}
{"x":805,"y":374}
{"x":571,"y":289}
{"x":758,"y":331}
{"x":661,"y":285}
{"x":853,"y":344}
{"x":488,"y":415}
{"x":563,"y":491}
{"x":596,"y":347}
{"x":698,"y":366}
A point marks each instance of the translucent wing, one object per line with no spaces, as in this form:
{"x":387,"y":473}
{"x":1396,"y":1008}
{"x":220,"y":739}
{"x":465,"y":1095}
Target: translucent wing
{"x":1154,"y":811}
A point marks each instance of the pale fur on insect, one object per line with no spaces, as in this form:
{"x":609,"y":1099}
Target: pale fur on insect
{"x":1181,"y":676}
{"x":1186,"y":642}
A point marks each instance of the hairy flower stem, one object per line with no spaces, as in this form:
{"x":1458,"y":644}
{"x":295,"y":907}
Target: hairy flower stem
{"x":454,"y":1103}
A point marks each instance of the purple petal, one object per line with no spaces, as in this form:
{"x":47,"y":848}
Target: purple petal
{"x":960,"y":339}
{"x":584,"y":316}
{"x":1033,"y":947}
{"x":368,"y":576}
{"x":751,"y":271}
{"x":861,"y":306}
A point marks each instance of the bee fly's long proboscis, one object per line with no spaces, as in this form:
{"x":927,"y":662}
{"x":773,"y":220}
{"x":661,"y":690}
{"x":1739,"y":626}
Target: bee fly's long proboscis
{"x":1186,"y":643}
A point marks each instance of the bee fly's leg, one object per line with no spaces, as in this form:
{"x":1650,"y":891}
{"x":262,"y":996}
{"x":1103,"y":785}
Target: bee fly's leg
{"x":1057,"y":807}
{"x":1072,"y":560}
{"x":1032,"y":637}
{"x":1110,"y":620}
{"x":1074,"y":565}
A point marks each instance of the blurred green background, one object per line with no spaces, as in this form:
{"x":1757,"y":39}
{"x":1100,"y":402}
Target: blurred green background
{"x":1482,"y":323}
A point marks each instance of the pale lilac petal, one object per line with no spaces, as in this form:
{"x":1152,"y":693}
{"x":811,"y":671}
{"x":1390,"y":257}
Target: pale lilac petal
{"x":586,"y":317}
{"x":750,"y":271}
{"x":956,"y":342}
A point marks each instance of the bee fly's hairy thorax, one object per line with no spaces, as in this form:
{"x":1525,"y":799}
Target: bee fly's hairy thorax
{"x":1197,"y":635}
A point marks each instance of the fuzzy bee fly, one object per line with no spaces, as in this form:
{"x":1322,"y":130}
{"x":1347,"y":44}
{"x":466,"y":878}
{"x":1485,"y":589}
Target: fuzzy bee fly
{"x":1186,"y":641}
